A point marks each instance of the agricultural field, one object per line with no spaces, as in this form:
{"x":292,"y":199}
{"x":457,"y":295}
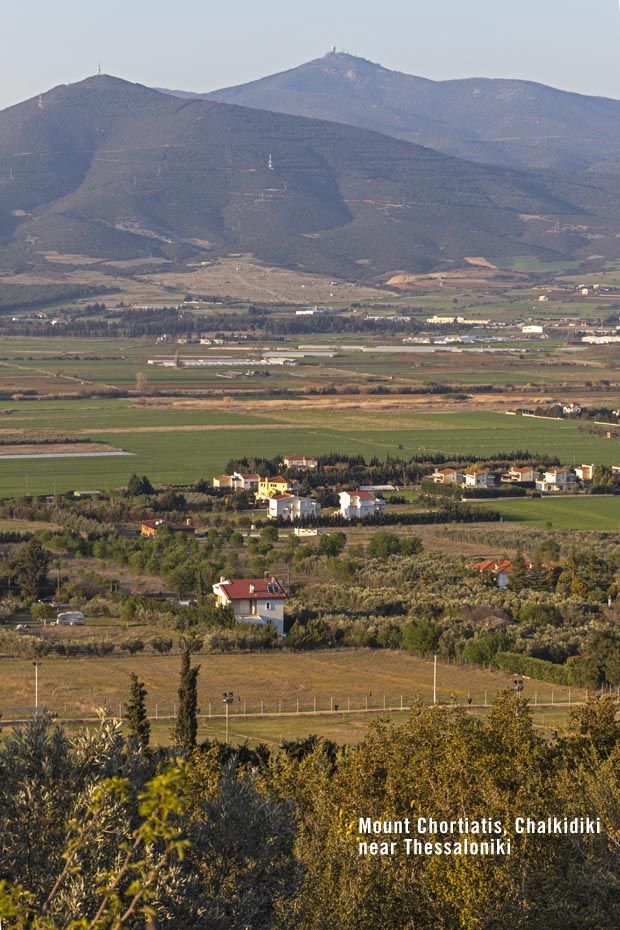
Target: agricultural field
{"x":274,"y":695}
{"x":591,"y":512}
{"x":182,"y":442}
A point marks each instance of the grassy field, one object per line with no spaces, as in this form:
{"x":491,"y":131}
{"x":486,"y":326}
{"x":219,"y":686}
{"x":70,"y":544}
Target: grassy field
{"x":290,"y":687}
{"x":591,"y":512}
{"x":351,"y":679}
{"x":182,"y":444}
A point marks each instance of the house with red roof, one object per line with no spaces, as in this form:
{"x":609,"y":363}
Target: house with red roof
{"x":237,"y":482}
{"x":254,"y":600}
{"x":501,"y":568}
{"x":448,"y":476}
{"x":152,"y":528}
{"x":525,"y":474}
{"x":301,"y":462}
{"x":479,"y":478}
{"x":356,"y":504}
{"x":291,"y":507}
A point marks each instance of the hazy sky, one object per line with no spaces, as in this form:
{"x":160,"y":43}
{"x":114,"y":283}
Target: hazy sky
{"x":201,"y":45}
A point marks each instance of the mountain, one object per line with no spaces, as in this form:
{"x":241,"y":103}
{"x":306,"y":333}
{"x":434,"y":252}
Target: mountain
{"x":503,"y":122}
{"x":114,"y":170}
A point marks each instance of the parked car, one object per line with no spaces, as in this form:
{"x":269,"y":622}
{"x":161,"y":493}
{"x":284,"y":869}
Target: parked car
{"x":71,"y":618}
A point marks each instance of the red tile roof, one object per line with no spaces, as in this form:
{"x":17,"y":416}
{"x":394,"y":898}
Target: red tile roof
{"x":498,"y":565}
{"x":252,"y":589}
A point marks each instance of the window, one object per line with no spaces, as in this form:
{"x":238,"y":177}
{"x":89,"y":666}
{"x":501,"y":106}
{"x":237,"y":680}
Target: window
{"x":268,"y":605}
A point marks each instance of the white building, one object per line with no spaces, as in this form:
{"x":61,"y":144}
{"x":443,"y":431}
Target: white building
{"x":479,"y":479}
{"x":301,"y":462}
{"x":254,"y":600}
{"x":556,"y":479}
{"x":447,"y":476}
{"x":585,"y":472}
{"x":237,"y":482}
{"x":289,"y":507}
{"x":355,"y":504}
{"x":525,"y":474}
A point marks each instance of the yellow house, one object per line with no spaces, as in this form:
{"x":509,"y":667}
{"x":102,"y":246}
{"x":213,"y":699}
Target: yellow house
{"x":270,"y":487}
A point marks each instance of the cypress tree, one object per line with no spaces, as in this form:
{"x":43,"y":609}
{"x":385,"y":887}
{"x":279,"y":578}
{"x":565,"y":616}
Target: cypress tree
{"x":184,"y":733}
{"x":135,"y":708}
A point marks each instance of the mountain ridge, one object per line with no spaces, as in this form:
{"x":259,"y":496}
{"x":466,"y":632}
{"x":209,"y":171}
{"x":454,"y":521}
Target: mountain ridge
{"x":503,"y":121}
{"x":110,"y":169}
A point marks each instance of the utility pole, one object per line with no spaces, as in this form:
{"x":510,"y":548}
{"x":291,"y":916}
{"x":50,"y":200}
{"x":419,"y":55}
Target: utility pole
{"x":36,"y":687}
{"x":227,"y":699}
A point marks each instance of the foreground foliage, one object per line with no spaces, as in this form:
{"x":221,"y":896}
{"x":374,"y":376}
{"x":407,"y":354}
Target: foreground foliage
{"x":95,"y":835}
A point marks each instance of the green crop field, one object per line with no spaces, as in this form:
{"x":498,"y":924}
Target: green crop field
{"x":184,"y":444}
{"x":590,"y":512}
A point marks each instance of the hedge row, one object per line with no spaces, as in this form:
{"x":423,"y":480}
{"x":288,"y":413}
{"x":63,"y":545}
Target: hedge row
{"x":570,"y":674}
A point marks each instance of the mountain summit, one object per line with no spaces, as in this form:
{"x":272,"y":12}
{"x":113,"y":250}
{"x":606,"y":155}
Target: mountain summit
{"x":504,"y":122}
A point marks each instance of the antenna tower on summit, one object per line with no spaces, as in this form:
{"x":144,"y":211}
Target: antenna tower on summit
{"x":99,"y":69}
{"x":41,"y":104}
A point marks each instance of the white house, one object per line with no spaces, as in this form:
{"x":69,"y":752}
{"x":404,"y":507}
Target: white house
{"x":355,"y":504}
{"x":301,"y":462}
{"x":525,"y":474}
{"x":479,"y":479}
{"x":447,"y":476}
{"x":585,"y":473}
{"x":289,"y":507}
{"x":254,"y":600}
{"x":237,"y":482}
{"x":556,"y":479}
